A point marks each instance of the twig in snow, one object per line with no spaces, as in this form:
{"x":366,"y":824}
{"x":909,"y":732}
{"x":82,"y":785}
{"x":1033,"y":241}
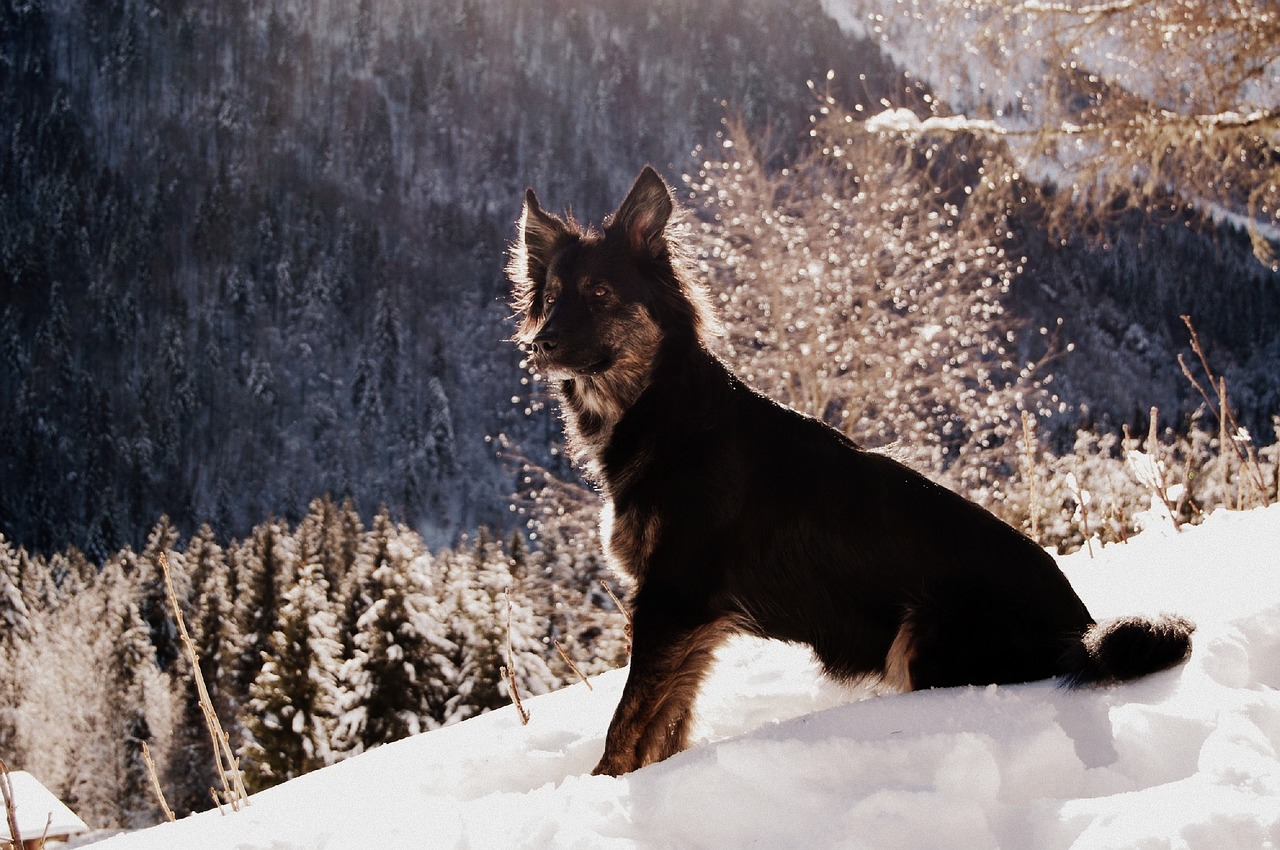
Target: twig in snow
{"x":509,"y":673}
{"x":1082,"y":498}
{"x":569,"y":661}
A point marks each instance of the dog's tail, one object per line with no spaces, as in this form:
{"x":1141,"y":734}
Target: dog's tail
{"x":1126,"y":648}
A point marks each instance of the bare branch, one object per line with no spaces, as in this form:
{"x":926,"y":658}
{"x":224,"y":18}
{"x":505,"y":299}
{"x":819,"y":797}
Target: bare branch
{"x":11,"y":806}
{"x":227,"y":764}
{"x":572,"y":666}
{"x":155,"y":782}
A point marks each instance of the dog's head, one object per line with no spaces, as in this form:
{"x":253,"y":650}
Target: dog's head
{"x":591,"y":302}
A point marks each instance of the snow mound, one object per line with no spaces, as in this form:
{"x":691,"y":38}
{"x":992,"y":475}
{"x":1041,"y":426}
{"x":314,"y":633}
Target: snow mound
{"x":1188,"y":758}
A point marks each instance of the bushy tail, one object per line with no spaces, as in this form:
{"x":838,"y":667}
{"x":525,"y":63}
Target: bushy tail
{"x":1126,"y":648}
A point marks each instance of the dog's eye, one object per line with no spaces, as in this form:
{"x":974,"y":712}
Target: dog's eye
{"x":599,"y":290}
{"x":549,"y":299}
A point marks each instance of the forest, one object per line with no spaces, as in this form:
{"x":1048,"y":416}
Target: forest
{"x":252,"y":253}
{"x":252,"y":317}
{"x":315,"y":641}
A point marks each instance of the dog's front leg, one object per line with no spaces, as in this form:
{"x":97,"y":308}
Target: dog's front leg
{"x":670,"y":655}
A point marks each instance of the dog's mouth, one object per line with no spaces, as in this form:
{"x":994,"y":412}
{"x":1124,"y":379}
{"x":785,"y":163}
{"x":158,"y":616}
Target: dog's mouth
{"x":561,"y":369}
{"x":598,"y":368}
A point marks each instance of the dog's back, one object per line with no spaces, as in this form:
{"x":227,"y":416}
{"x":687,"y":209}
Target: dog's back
{"x":804,"y":536}
{"x":733,"y":513}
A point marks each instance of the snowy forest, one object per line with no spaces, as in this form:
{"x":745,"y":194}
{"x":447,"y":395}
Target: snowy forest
{"x":252,"y":316}
{"x":316,"y":642}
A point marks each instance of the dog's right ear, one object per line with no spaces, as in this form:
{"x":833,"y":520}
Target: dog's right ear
{"x":539,"y":234}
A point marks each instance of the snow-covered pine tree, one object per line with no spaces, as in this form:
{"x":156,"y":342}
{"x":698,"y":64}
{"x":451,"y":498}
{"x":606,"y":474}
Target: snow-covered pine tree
{"x":528,"y":625}
{"x":583,"y":617}
{"x":396,"y":682}
{"x":15,"y":620}
{"x":294,"y":700}
{"x":324,"y":536}
{"x":477,"y":581}
{"x":264,"y":565}
{"x":133,"y":683}
{"x":153,"y":601}
{"x":210,"y":622}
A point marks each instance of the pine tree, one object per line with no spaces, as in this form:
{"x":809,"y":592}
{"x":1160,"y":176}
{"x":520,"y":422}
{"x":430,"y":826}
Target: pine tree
{"x":264,"y":566}
{"x":211,"y":625}
{"x":475,"y":585}
{"x":153,"y":604}
{"x":133,"y":681}
{"x":15,"y":620}
{"x":294,"y":701}
{"x":396,"y":681}
{"x":527,"y":623}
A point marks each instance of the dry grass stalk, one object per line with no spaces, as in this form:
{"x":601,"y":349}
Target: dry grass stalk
{"x":1082,"y":500}
{"x":1120,"y":520}
{"x":509,"y":673}
{"x":10,"y":807}
{"x":226,"y":762}
{"x":155,"y":782}
{"x":572,"y":666}
{"x":622,"y":608}
{"x":1028,"y":436}
{"x":1161,"y":484}
{"x":1228,"y":427}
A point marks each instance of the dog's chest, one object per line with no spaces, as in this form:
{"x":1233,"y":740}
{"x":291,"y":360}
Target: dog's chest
{"x":629,"y":537}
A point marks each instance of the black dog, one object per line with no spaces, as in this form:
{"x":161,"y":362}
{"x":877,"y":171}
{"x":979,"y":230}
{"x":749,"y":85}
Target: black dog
{"x":735,"y":514}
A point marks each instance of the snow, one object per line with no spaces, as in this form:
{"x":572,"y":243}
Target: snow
{"x":37,"y":811}
{"x":1188,"y":758}
{"x":898,"y":120}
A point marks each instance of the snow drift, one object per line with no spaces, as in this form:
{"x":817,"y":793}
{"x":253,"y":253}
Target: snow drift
{"x":1188,"y":758}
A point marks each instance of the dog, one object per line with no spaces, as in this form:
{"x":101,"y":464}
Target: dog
{"x":734,"y":514}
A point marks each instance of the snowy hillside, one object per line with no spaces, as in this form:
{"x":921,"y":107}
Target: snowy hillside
{"x":1187,"y":758}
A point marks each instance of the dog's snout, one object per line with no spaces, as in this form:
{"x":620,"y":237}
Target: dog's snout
{"x":545,"y":342}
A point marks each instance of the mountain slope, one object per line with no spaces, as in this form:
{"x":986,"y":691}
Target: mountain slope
{"x":1187,"y":758}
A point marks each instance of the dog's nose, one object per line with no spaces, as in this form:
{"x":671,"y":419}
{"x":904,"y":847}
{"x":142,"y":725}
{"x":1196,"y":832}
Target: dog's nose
{"x":545,"y":342}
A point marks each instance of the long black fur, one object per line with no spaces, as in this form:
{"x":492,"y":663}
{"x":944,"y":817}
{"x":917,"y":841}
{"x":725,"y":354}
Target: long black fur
{"x":732,"y":513}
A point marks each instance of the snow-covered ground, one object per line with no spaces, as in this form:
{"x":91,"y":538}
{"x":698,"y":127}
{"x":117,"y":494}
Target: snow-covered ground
{"x":1186,"y":758}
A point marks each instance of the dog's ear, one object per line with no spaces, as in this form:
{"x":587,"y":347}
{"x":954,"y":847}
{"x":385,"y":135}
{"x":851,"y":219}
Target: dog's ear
{"x":539,"y":229}
{"x":539,"y":234}
{"x":642,"y":217}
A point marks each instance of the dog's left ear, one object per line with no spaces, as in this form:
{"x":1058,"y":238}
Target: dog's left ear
{"x":643,"y":216}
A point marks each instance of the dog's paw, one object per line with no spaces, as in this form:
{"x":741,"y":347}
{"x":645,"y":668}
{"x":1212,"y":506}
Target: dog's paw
{"x":612,"y":765}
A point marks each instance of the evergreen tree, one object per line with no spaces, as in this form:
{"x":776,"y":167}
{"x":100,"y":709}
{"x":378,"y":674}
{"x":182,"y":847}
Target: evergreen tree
{"x":294,"y":701}
{"x":396,"y":682}
{"x":132,"y":687}
{"x":478,"y":579}
{"x":527,"y":622}
{"x":153,"y":603}
{"x":15,"y":620}
{"x":264,"y":566}
{"x":211,"y":625}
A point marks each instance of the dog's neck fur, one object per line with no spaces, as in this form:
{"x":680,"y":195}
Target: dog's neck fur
{"x":594,"y":404}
